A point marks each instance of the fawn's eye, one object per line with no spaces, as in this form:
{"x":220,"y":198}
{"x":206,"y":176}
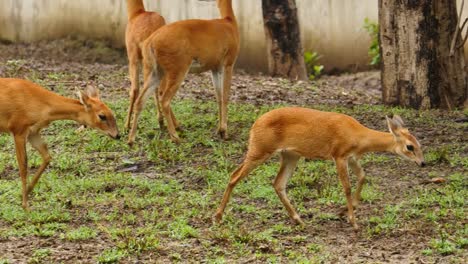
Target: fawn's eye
{"x":102,"y":117}
{"x":410,"y":147}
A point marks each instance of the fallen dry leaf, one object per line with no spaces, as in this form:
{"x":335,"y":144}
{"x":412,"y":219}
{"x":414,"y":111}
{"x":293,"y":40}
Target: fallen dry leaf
{"x":438,"y":180}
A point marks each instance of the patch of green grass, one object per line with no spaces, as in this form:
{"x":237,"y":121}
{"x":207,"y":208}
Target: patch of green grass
{"x":180,"y":229}
{"x":39,"y":255}
{"x":427,"y":252}
{"x":443,"y":246}
{"x":390,"y":220}
{"x":112,"y":255}
{"x":81,"y":233}
{"x":438,"y":155}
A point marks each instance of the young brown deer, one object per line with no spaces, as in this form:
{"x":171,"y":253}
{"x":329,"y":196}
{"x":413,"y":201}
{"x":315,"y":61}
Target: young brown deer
{"x":141,"y":24}
{"x":300,"y":132}
{"x":26,"y":108}
{"x":195,"y":45}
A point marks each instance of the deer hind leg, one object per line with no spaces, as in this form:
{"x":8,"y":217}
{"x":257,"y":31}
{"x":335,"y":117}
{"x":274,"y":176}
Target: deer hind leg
{"x":357,"y":169}
{"x":218,"y":77}
{"x":157,"y":101}
{"x":38,"y":144}
{"x":222,"y":83}
{"x":166,"y":94}
{"x":21,"y":157}
{"x":288,"y":165}
{"x":151,"y":82}
{"x":342,"y":168}
{"x":134,"y":69}
{"x":241,"y":172}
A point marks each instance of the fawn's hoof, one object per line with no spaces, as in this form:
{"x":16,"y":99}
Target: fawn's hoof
{"x":217,"y":218}
{"x":223,"y":134}
{"x":298,"y":221}
{"x":176,"y":139}
{"x":26,"y":208}
{"x":356,"y":227}
{"x":127,"y":125}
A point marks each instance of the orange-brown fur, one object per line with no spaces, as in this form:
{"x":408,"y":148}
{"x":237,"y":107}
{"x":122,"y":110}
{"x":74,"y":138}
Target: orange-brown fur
{"x":300,"y":132}
{"x":141,"y":24}
{"x":168,"y":54}
{"x":26,"y":108}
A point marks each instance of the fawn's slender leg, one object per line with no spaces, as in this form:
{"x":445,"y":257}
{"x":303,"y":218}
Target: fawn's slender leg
{"x":21,"y":157}
{"x":241,"y":172}
{"x":151,"y":83}
{"x":166,"y":94}
{"x":160,"y":114}
{"x":223,"y":100}
{"x":218,"y":82}
{"x":342,"y":169}
{"x":357,"y":169}
{"x":157,"y":102}
{"x":134,"y":69}
{"x":288,"y":165}
{"x":38,"y":144}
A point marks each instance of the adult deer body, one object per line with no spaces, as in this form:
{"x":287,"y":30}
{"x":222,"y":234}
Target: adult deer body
{"x":141,"y":24}
{"x":299,"y":132}
{"x":26,"y":108}
{"x":170,"y":52}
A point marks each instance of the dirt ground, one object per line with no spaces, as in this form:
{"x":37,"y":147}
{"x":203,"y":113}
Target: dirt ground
{"x":88,"y":62}
{"x":88,"y":59}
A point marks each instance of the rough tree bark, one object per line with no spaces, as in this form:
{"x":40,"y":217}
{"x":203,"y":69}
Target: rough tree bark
{"x":283,"y":39}
{"x":417,"y":69}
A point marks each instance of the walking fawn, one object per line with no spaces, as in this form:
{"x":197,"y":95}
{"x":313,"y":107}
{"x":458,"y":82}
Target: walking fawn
{"x":195,"y":45}
{"x":299,"y":132}
{"x":26,"y":108}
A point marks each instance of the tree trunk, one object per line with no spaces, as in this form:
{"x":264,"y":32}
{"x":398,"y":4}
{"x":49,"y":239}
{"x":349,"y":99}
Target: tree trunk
{"x":417,"y":69}
{"x":283,"y":39}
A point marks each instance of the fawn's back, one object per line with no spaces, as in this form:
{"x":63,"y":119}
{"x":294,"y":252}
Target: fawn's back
{"x":21,"y":102}
{"x":311,"y":133}
{"x":210,"y":43}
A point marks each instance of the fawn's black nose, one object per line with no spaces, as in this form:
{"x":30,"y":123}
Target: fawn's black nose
{"x":423,"y":164}
{"x":117,"y":137}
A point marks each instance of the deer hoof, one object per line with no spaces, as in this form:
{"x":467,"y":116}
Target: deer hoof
{"x":217,"y":218}
{"x":161,"y":123}
{"x":297,"y":219}
{"x":356,"y":227}
{"x":223,"y":134}
{"x":176,"y":140}
{"x":26,"y":207}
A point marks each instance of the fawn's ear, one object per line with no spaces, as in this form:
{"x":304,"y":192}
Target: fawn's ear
{"x":84,"y":99}
{"x":394,"y":125}
{"x":92,"y":91}
{"x":398,"y":119}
